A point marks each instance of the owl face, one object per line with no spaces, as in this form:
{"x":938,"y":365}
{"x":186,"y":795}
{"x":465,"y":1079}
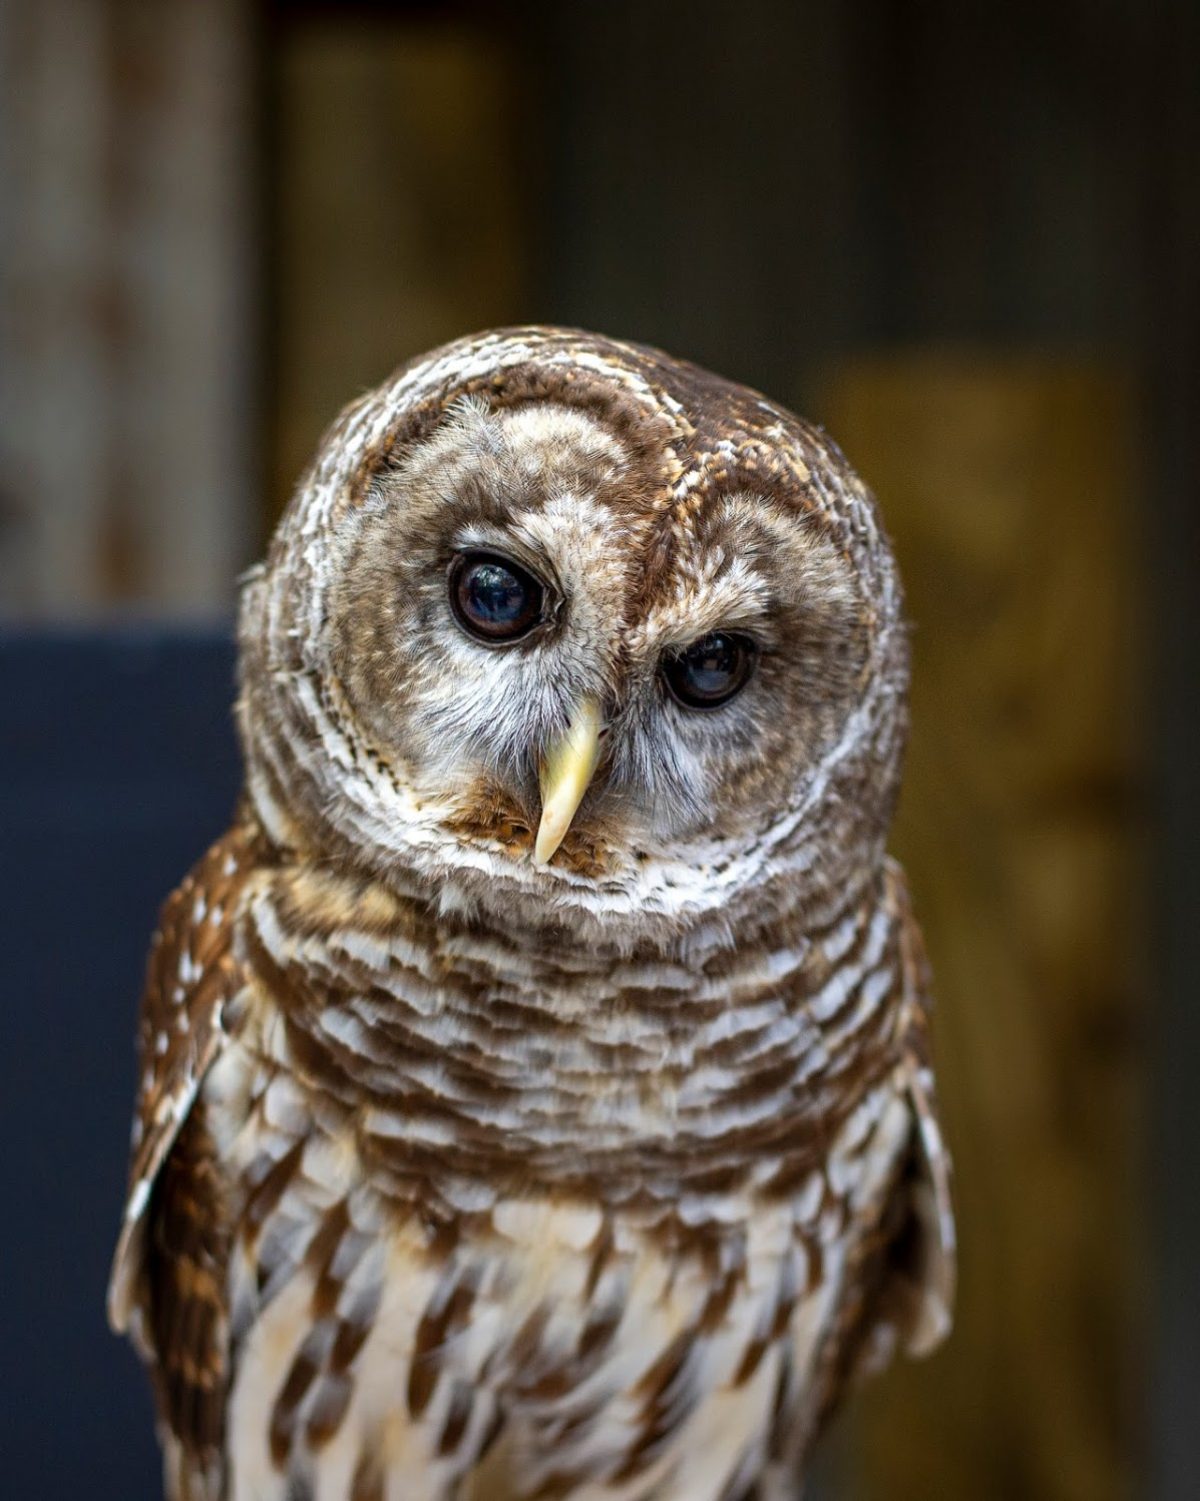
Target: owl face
{"x":566,"y":636}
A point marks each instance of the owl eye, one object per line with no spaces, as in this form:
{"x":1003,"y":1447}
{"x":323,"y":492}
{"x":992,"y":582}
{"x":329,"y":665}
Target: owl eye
{"x":711,"y":671}
{"x":492,"y":598}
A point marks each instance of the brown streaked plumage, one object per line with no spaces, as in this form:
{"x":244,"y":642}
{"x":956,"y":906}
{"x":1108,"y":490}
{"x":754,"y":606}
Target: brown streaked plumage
{"x":479,"y":1159}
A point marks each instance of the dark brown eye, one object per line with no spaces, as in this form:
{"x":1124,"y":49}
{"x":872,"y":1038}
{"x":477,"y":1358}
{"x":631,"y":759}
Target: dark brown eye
{"x":492,"y":598}
{"x":711,"y":671}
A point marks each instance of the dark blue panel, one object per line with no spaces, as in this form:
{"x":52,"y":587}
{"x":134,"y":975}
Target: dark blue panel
{"x":118,"y":765}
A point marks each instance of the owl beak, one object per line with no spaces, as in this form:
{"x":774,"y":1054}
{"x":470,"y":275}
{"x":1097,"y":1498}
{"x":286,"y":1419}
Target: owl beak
{"x":566,"y":770}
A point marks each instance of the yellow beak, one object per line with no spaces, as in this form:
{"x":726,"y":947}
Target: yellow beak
{"x":566,"y":770}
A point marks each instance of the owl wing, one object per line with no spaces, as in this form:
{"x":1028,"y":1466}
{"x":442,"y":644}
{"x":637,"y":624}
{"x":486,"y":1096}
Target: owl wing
{"x":167,"y":1285}
{"x":917,"y":1292}
{"x":902,"y":1288}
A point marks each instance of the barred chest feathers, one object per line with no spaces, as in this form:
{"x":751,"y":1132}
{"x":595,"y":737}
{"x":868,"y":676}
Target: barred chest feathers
{"x":536,"y":1095}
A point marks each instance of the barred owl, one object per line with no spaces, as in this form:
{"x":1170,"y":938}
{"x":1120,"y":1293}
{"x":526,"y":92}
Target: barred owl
{"x":535,"y":1091}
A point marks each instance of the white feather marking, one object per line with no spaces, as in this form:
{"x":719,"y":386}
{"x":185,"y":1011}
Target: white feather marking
{"x":138,"y":1199}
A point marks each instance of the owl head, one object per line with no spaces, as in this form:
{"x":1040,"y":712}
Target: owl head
{"x":565,"y":632}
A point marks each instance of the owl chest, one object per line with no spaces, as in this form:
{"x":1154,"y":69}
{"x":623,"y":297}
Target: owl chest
{"x":534,"y":1334}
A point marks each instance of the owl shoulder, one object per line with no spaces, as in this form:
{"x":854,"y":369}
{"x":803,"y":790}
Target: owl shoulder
{"x":188,"y":1012}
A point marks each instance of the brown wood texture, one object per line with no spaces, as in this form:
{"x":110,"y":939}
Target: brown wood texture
{"x":1010,"y":486}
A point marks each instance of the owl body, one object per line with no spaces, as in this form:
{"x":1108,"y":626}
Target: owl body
{"x":463,"y":1172}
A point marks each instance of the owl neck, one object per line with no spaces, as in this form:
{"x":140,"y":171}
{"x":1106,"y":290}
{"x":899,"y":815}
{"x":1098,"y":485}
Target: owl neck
{"x":491,"y":1051}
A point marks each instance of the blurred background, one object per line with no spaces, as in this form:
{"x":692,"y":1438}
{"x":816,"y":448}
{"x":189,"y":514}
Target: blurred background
{"x":963,"y":238}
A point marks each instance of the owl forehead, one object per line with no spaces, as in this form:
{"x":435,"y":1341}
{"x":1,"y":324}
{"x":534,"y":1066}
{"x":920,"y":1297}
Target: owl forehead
{"x":680,"y":427}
